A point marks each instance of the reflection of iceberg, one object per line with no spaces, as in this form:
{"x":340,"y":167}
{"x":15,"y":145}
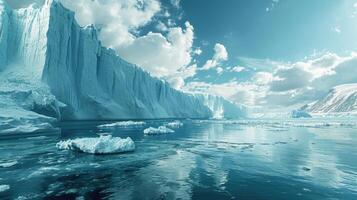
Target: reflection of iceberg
{"x":102,"y":145}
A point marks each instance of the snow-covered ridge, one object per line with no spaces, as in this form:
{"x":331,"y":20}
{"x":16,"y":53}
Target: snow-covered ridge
{"x":78,"y":78}
{"x":341,"y":99}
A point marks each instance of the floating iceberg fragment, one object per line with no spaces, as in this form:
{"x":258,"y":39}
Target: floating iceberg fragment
{"x":174,"y":124}
{"x":102,"y":145}
{"x":4,"y":188}
{"x":121,"y":124}
{"x":300,"y":114}
{"x":158,"y":131}
{"x":8,"y":164}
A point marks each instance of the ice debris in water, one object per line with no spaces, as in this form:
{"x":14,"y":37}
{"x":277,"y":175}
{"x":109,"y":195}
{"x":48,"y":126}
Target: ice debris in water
{"x":8,"y":164}
{"x":174,"y":124}
{"x":105,"y":144}
{"x":157,"y":131}
{"x":121,"y":124}
{"x":4,"y":188}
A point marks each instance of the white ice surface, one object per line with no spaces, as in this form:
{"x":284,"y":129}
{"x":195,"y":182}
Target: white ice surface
{"x":158,"y":131}
{"x":121,"y":124}
{"x":8,"y":164}
{"x":101,"y":145}
{"x":341,"y":99}
{"x":4,"y":188}
{"x":66,"y":63}
{"x":174,"y":124}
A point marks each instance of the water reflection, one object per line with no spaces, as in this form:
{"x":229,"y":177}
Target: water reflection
{"x":201,"y":160}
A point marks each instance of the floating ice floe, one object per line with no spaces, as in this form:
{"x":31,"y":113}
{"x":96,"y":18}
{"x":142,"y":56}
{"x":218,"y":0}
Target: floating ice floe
{"x":4,"y":188}
{"x":158,"y":131}
{"x":101,"y":145}
{"x":174,"y":124}
{"x":121,"y":124}
{"x":8,"y":164}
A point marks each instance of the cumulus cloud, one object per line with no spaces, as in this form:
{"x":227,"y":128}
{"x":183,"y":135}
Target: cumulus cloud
{"x":287,"y":84}
{"x":220,"y":54}
{"x":117,"y":19}
{"x":176,"y":3}
{"x":237,"y":69}
{"x":177,"y":79}
{"x":161,"y":55}
{"x":119,"y":22}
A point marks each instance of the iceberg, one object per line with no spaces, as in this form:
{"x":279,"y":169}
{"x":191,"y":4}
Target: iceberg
{"x":222,"y":108}
{"x":102,"y":145}
{"x":300,"y":114}
{"x":174,"y":124}
{"x":8,"y":164}
{"x":4,"y":188}
{"x":121,"y":124}
{"x":158,"y":131}
{"x":53,"y":69}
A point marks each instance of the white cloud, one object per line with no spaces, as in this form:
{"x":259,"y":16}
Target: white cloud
{"x":176,"y":3}
{"x":160,"y":55}
{"x":288,"y":84}
{"x":177,"y":79}
{"x":119,"y":22}
{"x":161,"y":26}
{"x":220,"y":54}
{"x":237,"y":69}
{"x":219,"y":70}
{"x":240,"y":93}
{"x":337,"y":29}
{"x":197,"y":51}
{"x":272,"y":5}
{"x":117,"y":19}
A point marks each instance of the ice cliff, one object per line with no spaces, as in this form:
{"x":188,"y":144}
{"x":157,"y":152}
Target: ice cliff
{"x":52,"y":67}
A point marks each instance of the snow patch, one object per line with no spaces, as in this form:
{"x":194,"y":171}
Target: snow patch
{"x":158,"y":131}
{"x":102,"y":145}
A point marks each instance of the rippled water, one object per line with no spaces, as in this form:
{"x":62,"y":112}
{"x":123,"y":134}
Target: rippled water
{"x":201,"y":160}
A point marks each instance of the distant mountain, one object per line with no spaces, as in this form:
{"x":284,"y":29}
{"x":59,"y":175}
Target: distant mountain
{"x":50,"y":66}
{"x":341,"y":99}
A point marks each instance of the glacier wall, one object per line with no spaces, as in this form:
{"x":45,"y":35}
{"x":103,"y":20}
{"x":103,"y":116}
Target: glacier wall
{"x":87,"y":80}
{"x":222,"y":108}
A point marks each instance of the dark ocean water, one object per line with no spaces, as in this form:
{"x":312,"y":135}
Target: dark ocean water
{"x":201,"y":160}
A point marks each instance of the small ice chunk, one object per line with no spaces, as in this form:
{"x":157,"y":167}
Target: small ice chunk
{"x":8,"y":164}
{"x":300,"y":114}
{"x":121,"y":124}
{"x":174,"y":124}
{"x":105,"y":144}
{"x":4,"y":188}
{"x":157,"y":131}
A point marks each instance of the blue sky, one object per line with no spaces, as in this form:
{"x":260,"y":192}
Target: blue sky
{"x":271,"y":54}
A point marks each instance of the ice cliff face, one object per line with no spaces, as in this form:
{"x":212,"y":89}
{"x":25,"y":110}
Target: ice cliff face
{"x":222,"y":108}
{"x":341,"y":99}
{"x":62,"y":71}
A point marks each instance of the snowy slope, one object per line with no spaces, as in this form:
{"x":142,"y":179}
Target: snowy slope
{"x":341,"y":99}
{"x":44,"y":51}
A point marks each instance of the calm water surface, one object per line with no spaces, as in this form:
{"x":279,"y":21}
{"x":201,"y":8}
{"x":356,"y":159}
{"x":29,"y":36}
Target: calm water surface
{"x":201,"y":160}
